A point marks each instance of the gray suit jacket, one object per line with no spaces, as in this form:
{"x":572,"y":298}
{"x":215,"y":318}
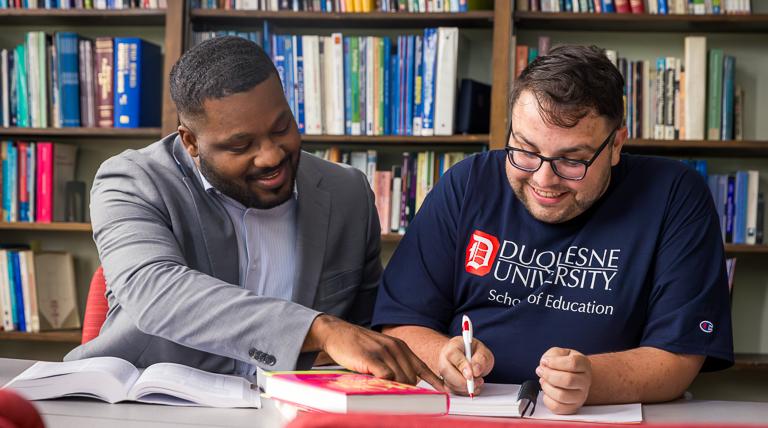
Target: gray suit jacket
{"x":170,"y":260}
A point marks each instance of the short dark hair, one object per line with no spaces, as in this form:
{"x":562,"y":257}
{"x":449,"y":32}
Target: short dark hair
{"x":569,"y":83}
{"x":217,"y":68}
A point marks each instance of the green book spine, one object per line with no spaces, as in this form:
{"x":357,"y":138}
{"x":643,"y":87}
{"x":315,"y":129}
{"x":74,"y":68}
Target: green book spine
{"x":22,"y":100}
{"x":714,"y":94}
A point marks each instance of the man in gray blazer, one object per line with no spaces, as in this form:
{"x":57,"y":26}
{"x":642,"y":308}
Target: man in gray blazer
{"x":225,"y":247}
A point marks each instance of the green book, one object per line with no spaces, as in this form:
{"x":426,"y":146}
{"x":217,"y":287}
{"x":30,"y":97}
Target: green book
{"x":714,"y":94}
{"x":22,"y":110}
{"x":354,"y":83}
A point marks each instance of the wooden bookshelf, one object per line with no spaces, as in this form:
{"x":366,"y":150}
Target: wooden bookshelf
{"x":735,"y":249}
{"x":698,"y":147}
{"x":391,"y":238}
{"x":82,"y":133}
{"x":128,"y":17}
{"x":755,"y":23}
{"x":751,"y":362}
{"x":473,"y":19}
{"x":64,"y":336}
{"x":396,"y":139}
{"x":47,"y":227}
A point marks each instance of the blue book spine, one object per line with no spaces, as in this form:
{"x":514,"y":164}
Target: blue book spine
{"x":7,"y":181}
{"x":17,"y":290}
{"x":662,"y":6}
{"x":138,"y":86}
{"x":608,"y":6}
{"x":393,"y":92}
{"x":428,"y":93}
{"x":387,"y":61}
{"x":729,"y":65}
{"x":13,"y":193}
{"x":347,"y":86}
{"x":740,"y":220}
{"x":12,"y":290}
{"x":418,"y":84}
{"x":730,"y":208}
{"x":278,"y":58}
{"x":290,"y":61}
{"x":299,"y":84}
{"x":569,"y":5}
{"x":409,"y":69}
{"x":267,"y":34}
{"x":68,"y":79}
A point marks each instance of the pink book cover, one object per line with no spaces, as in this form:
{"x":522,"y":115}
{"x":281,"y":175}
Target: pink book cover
{"x":354,"y":383}
{"x":44,"y":182}
{"x":23,"y":190}
{"x":622,"y":6}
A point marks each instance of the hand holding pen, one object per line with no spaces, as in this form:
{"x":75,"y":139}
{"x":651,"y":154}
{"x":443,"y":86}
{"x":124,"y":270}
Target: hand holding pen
{"x":463,"y":367}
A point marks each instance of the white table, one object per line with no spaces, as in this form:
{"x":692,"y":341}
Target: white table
{"x":79,"y":413}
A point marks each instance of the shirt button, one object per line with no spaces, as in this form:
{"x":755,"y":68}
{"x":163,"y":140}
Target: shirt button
{"x":252,"y":352}
{"x":271,"y":360}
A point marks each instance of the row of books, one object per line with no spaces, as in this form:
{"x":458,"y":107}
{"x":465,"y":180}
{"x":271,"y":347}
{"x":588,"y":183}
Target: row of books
{"x":353,"y":6}
{"x":693,"y":98}
{"x":37,"y":290}
{"x":35,"y":179}
{"x":655,"y":7}
{"x":83,"y":4}
{"x":65,"y":80}
{"x":400,"y":190}
{"x":370,"y":85}
{"x":740,"y":203}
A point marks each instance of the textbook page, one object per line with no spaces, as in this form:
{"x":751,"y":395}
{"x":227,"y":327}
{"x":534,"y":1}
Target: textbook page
{"x":179,"y":385}
{"x":105,"y":378}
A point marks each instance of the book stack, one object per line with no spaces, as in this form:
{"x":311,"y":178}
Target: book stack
{"x":65,"y":80}
{"x":400,"y":190}
{"x":37,"y":290}
{"x":353,"y":6}
{"x":655,"y":7}
{"x":35,"y":176}
{"x":739,"y":202}
{"x":83,"y":4}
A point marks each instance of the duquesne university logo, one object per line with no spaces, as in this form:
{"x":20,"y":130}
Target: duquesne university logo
{"x":481,"y":253}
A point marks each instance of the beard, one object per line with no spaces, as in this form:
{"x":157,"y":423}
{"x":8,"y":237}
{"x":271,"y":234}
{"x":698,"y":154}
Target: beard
{"x":246,"y":196}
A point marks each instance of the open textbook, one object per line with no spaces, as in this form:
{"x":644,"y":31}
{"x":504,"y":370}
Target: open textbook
{"x":113,"y":379}
{"x":502,"y":400}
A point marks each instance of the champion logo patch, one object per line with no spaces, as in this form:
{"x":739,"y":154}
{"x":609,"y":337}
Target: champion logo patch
{"x":706,"y":326}
{"x":481,"y":253}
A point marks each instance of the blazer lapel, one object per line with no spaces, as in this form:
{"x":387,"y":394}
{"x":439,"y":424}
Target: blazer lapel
{"x":312,"y":217}
{"x":216,"y":226}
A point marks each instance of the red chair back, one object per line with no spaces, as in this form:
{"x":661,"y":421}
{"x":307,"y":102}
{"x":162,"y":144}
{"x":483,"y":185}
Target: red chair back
{"x":96,"y":306}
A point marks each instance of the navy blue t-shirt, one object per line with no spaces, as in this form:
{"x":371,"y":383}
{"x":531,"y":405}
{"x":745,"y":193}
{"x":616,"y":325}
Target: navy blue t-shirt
{"x":644,"y":266}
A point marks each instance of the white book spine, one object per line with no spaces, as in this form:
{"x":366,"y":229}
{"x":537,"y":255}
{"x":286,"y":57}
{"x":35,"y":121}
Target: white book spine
{"x":5,"y":292}
{"x":312,"y":87}
{"x":669,"y":99}
{"x":4,"y":88}
{"x":336,"y":91}
{"x":397,"y":192}
{"x":33,"y":97}
{"x":647,"y":118}
{"x":753,"y":185}
{"x":42,"y":78}
{"x":445,"y":80}
{"x":695,"y":87}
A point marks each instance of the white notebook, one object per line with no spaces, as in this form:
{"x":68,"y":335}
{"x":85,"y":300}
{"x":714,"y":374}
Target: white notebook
{"x":113,"y":379}
{"x":500,"y":400}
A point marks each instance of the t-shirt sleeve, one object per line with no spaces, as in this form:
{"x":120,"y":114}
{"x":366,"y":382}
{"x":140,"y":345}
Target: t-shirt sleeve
{"x":417,"y":285}
{"x":689,"y":309}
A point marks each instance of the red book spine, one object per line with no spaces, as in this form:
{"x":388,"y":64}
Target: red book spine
{"x":637,"y":6}
{"x":104,"y":79}
{"x":622,"y":6}
{"x":44,"y":182}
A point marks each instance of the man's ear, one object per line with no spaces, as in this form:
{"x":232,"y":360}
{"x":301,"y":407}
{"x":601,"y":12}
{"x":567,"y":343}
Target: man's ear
{"x":188,"y":139}
{"x":618,"y":142}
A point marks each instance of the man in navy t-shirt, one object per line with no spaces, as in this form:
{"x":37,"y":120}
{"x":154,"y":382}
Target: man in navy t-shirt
{"x":600,"y":274}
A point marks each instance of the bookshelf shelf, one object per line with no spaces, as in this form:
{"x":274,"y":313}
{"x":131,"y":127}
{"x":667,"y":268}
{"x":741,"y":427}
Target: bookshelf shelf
{"x":395,"y":139}
{"x":132,"y":17}
{"x":64,"y":336}
{"x":473,"y":19}
{"x":735,"y":249}
{"x":83,"y":133}
{"x":699,"y":147}
{"x":392,"y":238}
{"x":47,"y":227}
{"x":751,"y":362}
{"x":755,"y":23}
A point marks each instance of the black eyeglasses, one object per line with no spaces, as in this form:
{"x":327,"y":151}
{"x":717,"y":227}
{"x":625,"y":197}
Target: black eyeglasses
{"x":569,"y":169}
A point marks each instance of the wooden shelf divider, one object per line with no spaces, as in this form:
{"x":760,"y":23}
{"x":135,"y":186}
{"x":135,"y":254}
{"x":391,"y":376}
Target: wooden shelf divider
{"x":754,"y":23}
{"x":305,"y":19}
{"x":751,"y":362}
{"x":732,"y":148}
{"x":64,"y":336}
{"x":47,"y":227}
{"x":128,"y":17}
{"x":82,"y":133}
{"x":395,"y":139}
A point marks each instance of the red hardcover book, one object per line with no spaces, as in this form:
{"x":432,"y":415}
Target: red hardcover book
{"x":638,"y":6}
{"x":622,"y":6}
{"x":345,"y":392}
{"x":104,"y":80}
{"x":521,"y":59}
{"x":44,"y":192}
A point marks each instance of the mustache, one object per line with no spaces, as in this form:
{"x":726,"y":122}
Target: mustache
{"x":262,"y":172}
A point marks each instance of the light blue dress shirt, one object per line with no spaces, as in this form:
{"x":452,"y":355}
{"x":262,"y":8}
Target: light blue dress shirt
{"x":266,"y":245}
